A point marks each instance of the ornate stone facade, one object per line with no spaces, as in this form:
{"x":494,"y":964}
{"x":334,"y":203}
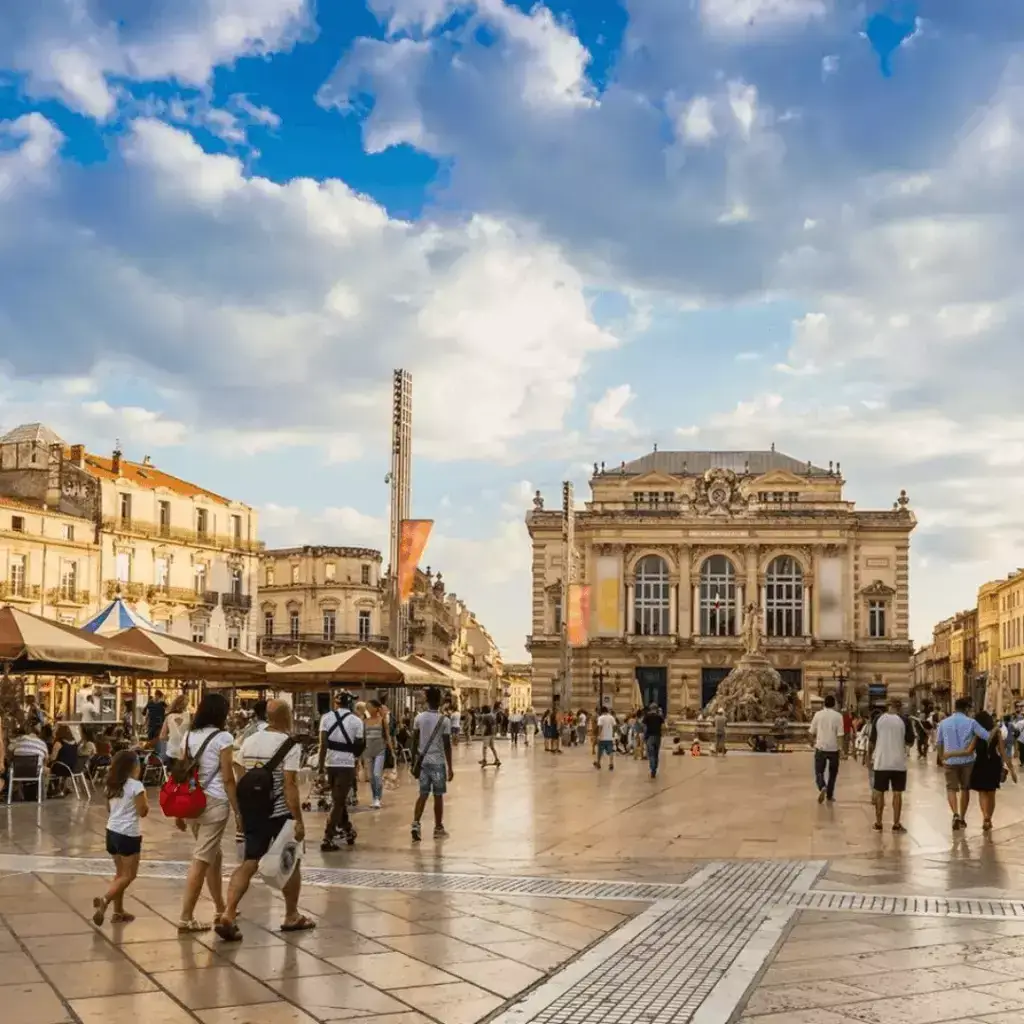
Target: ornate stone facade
{"x":678,"y":547}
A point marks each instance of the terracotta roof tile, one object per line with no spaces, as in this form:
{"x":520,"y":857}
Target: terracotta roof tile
{"x":147,"y":476}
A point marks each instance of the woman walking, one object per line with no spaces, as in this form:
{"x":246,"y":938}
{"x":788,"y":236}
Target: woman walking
{"x":176,"y":725}
{"x":378,"y":742}
{"x":213,"y":746}
{"x":990,"y":763}
{"x":127,"y":806}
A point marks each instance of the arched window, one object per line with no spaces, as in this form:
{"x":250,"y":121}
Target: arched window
{"x":651,"y":600}
{"x":784,"y":597}
{"x":717,"y":597}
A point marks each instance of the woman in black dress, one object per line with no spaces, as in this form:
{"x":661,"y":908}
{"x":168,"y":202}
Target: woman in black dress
{"x":989,"y":762}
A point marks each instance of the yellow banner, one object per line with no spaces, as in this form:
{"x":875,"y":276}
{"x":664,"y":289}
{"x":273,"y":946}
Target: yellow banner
{"x":579,"y":614}
{"x":609,"y":590}
{"x":412,"y":541}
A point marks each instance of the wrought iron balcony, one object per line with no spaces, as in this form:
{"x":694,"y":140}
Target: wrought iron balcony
{"x":316,"y":644}
{"x":67,"y":595}
{"x":121,"y":588}
{"x":237,"y":602}
{"x":10,"y":591}
{"x":180,"y":535}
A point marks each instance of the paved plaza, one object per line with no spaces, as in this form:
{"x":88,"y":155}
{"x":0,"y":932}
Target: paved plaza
{"x":719,"y":892}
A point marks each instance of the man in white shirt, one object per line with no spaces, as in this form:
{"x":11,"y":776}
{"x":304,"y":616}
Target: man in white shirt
{"x":606,"y":724}
{"x":891,"y":735}
{"x":342,"y":740}
{"x":826,"y":732}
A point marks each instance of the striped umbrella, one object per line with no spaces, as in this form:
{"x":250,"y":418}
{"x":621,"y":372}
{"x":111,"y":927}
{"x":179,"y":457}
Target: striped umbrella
{"x":114,"y":618}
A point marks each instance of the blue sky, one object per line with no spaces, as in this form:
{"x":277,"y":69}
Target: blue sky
{"x":585,"y":227}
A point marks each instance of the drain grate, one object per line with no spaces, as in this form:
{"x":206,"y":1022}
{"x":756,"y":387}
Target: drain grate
{"x":912,"y":906}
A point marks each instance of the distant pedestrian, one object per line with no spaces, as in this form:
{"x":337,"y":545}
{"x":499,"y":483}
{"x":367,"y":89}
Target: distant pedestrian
{"x":489,"y":723}
{"x":954,"y":743}
{"x":606,"y":728}
{"x":721,"y":732}
{"x":992,"y":763}
{"x":653,"y":723}
{"x":891,"y":736}
{"x":826,"y":732}
{"x":432,"y":761}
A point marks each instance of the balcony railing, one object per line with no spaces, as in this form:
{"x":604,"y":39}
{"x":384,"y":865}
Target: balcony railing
{"x":19,"y":591}
{"x":289,"y":643}
{"x":204,"y":538}
{"x":121,"y":588}
{"x":163,"y":593}
{"x":238,"y":602}
{"x":67,"y":595}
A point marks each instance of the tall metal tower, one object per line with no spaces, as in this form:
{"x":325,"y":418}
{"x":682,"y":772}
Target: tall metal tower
{"x":568,"y":578}
{"x":400,"y":478}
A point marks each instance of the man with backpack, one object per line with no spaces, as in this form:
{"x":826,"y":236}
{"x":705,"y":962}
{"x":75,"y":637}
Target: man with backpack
{"x":342,"y":740}
{"x":268,"y":797}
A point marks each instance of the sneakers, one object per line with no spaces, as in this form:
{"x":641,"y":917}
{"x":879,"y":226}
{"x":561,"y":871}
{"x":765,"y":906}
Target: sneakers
{"x":417,"y":834}
{"x":958,"y":822}
{"x":611,"y":767}
{"x":821,"y":796}
{"x":329,"y":846}
{"x":440,"y":832}
{"x":375,"y":805}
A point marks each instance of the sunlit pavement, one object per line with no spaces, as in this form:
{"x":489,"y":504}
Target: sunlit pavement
{"x":733,"y":885}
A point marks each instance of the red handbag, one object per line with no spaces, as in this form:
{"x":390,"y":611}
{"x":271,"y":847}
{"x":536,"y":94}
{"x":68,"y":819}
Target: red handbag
{"x":182,"y":796}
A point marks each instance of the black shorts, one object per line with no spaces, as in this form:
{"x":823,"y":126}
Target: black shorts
{"x":123,"y":846}
{"x":896,"y":781}
{"x":259,"y":838}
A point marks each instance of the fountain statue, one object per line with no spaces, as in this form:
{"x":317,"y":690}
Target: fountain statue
{"x":753,"y":691}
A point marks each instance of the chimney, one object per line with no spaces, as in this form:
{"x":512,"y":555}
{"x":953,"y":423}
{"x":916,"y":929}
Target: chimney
{"x":115,"y":461}
{"x":78,"y":455}
{"x":147,"y":461}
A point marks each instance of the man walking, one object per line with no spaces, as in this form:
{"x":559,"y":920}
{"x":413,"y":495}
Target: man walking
{"x":891,"y":736}
{"x":606,"y":724}
{"x":265,"y":809}
{"x":952,"y":743}
{"x":341,"y":742}
{"x":489,"y":723}
{"x":826,"y":731}
{"x":653,"y":722}
{"x":432,"y":750}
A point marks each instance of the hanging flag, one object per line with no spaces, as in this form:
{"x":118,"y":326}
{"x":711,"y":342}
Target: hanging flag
{"x":579,"y":614}
{"x":411,"y":542}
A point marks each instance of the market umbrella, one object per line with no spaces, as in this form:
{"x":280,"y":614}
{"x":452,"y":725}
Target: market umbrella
{"x":32,"y":644}
{"x":448,"y":676}
{"x":354,"y":667}
{"x":187,"y":660}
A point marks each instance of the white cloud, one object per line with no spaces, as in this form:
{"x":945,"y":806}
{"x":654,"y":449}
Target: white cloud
{"x":695,"y":122}
{"x":608,"y":412}
{"x":731,"y":16}
{"x":284,"y":293}
{"x":74,"y":50}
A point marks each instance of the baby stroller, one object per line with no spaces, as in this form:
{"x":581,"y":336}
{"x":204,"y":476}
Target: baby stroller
{"x":319,"y":786}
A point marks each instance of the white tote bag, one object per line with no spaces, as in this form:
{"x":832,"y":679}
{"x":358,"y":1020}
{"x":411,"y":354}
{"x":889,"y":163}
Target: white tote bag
{"x":282,"y":859}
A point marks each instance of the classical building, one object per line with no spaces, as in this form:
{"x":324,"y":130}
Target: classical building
{"x":316,"y":600}
{"x":184,"y":556}
{"x":677,"y":547}
{"x":517,"y":687}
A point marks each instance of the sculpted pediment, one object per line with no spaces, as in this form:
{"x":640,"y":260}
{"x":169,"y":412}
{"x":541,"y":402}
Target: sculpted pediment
{"x":653,"y":481}
{"x":877,"y":589}
{"x":777,"y":478}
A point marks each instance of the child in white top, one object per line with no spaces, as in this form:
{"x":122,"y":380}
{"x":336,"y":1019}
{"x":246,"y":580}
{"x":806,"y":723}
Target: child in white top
{"x":127,"y":805}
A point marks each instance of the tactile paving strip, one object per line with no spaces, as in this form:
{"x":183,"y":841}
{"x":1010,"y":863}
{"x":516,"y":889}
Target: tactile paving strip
{"x":911,"y":906}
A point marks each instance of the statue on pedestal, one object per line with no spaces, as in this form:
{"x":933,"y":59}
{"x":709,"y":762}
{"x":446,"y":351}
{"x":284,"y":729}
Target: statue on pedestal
{"x":752,"y":633}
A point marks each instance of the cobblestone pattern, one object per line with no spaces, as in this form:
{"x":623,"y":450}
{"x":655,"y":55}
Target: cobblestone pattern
{"x":683,"y":950}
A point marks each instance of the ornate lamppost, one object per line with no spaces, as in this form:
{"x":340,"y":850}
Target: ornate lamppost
{"x":839,"y":677}
{"x":602,"y":670}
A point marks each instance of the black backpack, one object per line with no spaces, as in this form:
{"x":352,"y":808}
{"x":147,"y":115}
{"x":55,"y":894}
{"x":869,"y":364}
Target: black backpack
{"x":255,"y":789}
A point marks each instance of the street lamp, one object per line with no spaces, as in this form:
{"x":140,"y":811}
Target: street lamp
{"x":839,"y":677}
{"x":601,"y":671}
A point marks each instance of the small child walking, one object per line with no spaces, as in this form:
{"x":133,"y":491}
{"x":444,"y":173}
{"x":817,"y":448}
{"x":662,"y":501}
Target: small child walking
{"x":127,"y":805}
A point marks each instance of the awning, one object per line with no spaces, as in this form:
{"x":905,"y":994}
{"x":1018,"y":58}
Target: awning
{"x":29,"y":643}
{"x":355,"y":667}
{"x":187,"y":660}
{"x":453,"y":679}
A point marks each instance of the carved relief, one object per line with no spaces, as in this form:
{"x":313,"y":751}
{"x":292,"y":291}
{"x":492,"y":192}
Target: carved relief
{"x":717,"y":493}
{"x":877,"y":589}
{"x":831,"y":550}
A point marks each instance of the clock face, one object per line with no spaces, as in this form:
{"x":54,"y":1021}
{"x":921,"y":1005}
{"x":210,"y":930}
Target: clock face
{"x":719,"y":496}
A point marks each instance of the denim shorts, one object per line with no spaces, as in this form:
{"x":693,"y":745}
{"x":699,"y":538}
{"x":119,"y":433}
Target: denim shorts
{"x":606,"y":747}
{"x":433,"y":779}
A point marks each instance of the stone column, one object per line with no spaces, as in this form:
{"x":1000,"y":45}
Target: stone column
{"x":740,"y":609}
{"x":764,"y":608}
{"x":685,"y":621}
{"x":673,"y":608}
{"x":696,"y":610}
{"x":808,"y":605}
{"x":630,"y":611}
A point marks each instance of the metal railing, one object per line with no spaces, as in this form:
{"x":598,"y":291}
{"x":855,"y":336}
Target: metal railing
{"x":277,"y":643}
{"x":67,"y":595}
{"x":10,"y":591}
{"x":239,"y":602}
{"x":204,"y":538}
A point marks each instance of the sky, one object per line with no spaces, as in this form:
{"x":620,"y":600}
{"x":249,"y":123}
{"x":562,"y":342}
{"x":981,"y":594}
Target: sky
{"x":585,"y":227}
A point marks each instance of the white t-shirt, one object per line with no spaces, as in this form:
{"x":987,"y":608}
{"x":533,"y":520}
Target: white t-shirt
{"x":258,"y":749}
{"x":606,"y":727}
{"x":890,"y":736}
{"x":456,"y":719}
{"x":827,"y":730}
{"x":123,"y":817}
{"x":177,"y":726}
{"x":581,"y":721}
{"x":353,"y":726}
{"x":211,"y":778}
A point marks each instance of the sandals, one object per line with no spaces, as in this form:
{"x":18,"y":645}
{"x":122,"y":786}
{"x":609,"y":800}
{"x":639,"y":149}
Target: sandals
{"x":898,"y":828}
{"x":122,"y":918}
{"x":192,"y":927}
{"x":303,"y":924}
{"x":877,"y":826}
{"x":986,"y":825}
{"x":228,"y":931}
{"x":100,"y":907}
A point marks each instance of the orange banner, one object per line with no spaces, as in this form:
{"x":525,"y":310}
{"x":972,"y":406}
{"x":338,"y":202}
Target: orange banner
{"x":579,"y":614}
{"x":412,"y":540}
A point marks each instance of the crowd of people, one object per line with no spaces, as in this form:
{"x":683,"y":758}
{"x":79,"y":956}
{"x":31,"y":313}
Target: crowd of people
{"x":975,"y":752}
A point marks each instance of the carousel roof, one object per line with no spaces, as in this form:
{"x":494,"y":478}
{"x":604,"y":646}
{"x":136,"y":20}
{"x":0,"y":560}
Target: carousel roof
{"x":117,"y":616}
